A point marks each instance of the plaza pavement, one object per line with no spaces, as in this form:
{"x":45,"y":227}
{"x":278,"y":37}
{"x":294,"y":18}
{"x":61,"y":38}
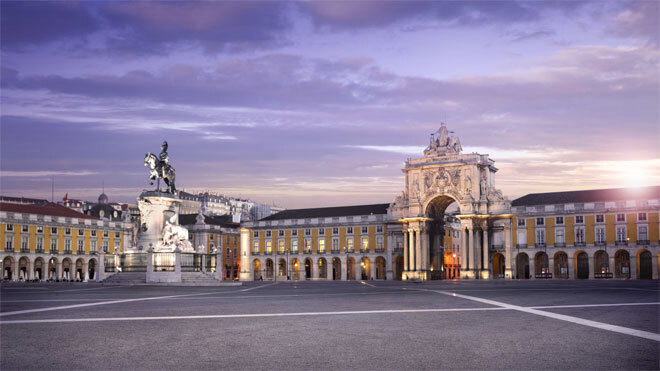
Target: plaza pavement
{"x":370,"y":325}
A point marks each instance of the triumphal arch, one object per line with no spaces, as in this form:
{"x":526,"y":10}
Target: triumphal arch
{"x":445,"y":175}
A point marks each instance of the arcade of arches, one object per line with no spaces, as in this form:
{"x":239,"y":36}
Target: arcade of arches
{"x":28,"y":268}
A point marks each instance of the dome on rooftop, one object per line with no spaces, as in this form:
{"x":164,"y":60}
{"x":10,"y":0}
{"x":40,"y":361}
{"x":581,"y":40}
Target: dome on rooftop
{"x":103,"y":198}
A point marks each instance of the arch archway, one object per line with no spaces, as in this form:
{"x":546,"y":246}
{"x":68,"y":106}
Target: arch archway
{"x":8,"y":268}
{"x":398,"y":271}
{"x":351,"y":268}
{"x":581,"y":265}
{"x":270,"y":269}
{"x":23,"y":268}
{"x":323,"y":268}
{"x":522,"y":266}
{"x":498,"y":265}
{"x":295,"y":269}
{"x":52,"y":269}
{"x":645,"y":265}
{"x":561,"y":265}
{"x":365,"y":268}
{"x":282,"y":268}
{"x":622,"y":264}
{"x":256,"y":270}
{"x":336,"y":269}
{"x":67,"y":269}
{"x":80,"y":269}
{"x":541,"y":264}
{"x":601,"y":263}
{"x":39,"y":269}
{"x":435,"y":208}
{"x":91,"y":269}
{"x":309,"y":266}
{"x":381,"y":266}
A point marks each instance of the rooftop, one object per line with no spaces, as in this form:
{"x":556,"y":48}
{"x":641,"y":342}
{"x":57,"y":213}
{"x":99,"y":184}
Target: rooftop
{"x":221,"y":220}
{"x":326,"y":212}
{"x":592,"y":195}
{"x":47,"y":208}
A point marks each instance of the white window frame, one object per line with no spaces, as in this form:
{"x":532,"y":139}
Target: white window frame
{"x":540,"y":236}
{"x":579,"y":235}
{"x":600,"y":235}
{"x":560,"y":236}
{"x":321,"y":247}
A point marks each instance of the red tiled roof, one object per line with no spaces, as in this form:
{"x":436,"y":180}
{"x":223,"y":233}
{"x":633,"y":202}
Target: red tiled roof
{"x":48,"y":208}
{"x":22,"y":200}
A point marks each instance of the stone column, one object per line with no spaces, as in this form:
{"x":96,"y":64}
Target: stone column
{"x":373,"y":269}
{"x":464,"y":247}
{"x":177,"y":264}
{"x":406,"y":258}
{"x":100,"y":267}
{"x":654,"y":266}
{"x":14,"y":269}
{"x":611,"y":264}
{"x":571,"y":267}
{"x":418,"y":251}
{"x":246,"y":267}
{"x":411,"y":250}
{"x":591,"y":266}
{"x":426,"y":253}
{"x":388,"y":265}
{"x":484,"y":250}
{"x":219,"y":264}
{"x":551,"y":265}
{"x":316,"y":270}
{"x":343,"y":265}
{"x":474,"y":252}
{"x":532,"y":268}
{"x":633,"y":267}
{"x":508,"y":249}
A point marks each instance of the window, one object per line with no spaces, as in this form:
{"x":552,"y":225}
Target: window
{"x":379,"y":229}
{"x":255,"y":250}
{"x":642,"y":233}
{"x":365,"y":244}
{"x":620,"y":217}
{"x":40,"y":244}
{"x":579,"y":219}
{"x":621,"y":234}
{"x":364,"y":230}
{"x":24,"y":243}
{"x":211,"y":238}
{"x":235,"y":240}
{"x":10,"y":227}
{"x":80,"y":232}
{"x":349,"y":244}
{"x":53,"y":230}
{"x":540,"y":236}
{"x":116,"y":234}
{"x":399,"y":242}
{"x":105,"y":246}
{"x":321,"y":246}
{"x":228,"y":251}
{"x":235,"y":252}
{"x":80,"y":246}
{"x":335,"y":244}
{"x":67,"y":231}
{"x":268,"y":233}
{"x":559,"y":220}
{"x":579,"y":235}
{"x":93,"y":233}
{"x":280,"y":246}
{"x":308,"y":232}
{"x":280,"y":233}
{"x":540,"y":221}
{"x":321,"y":231}
{"x":379,"y":243}
{"x":335,"y":230}
{"x":255,"y":234}
{"x":294,"y":232}
{"x":600,"y":235}
{"x":9,"y":243}
{"x":229,"y":239}
{"x":349,"y":230}
{"x":641,"y":217}
{"x":24,"y":228}
{"x":67,"y":246}
{"x":116,"y":246}
{"x":559,"y":236}
{"x":53,"y":244}
{"x":308,"y":245}
{"x":294,"y":246}
{"x":269,"y":247}
{"x":600,"y":218}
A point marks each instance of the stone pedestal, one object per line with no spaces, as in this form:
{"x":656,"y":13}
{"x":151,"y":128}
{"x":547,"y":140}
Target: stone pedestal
{"x":160,"y":230}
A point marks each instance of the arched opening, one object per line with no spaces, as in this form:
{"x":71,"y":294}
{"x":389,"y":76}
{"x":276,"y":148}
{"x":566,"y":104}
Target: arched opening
{"x":398,"y":271}
{"x":52,"y":269}
{"x":380,"y":268}
{"x":582,"y":265}
{"x":323,"y":269}
{"x":91,"y":269}
{"x":561,"y":265}
{"x":522,"y":266}
{"x":498,"y":266}
{"x":80,"y":269}
{"x":351,"y":268}
{"x":7,"y":268}
{"x":39,"y":269}
{"x":601,"y":264}
{"x":645,"y":265}
{"x":270,"y":269}
{"x":282,"y":269}
{"x":436,"y":210}
{"x":622,"y":264}
{"x":365,"y":268}
{"x":256,"y":270}
{"x":295,"y":269}
{"x":336,"y":269}
{"x":23,"y":268}
{"x":541,"y":265}
{"x":67,"y":273}
{"x":308,"y":268}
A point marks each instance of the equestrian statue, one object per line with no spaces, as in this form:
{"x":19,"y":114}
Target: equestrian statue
{"x":159,"y":168}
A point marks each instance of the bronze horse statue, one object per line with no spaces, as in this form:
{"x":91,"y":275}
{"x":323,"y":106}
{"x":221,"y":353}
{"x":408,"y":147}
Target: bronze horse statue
{"x":160,"y":169}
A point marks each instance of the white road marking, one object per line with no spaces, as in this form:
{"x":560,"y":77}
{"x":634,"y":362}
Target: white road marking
{"x":252,"y":315}
{"x":591,"y":305}
{"x":562,"y":317}
{"x":368,"y":284}
{"x":258,"y":287}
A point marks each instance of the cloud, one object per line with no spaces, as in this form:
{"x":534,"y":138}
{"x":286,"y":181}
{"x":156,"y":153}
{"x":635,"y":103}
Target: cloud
{"x":637,"y":19}
{"x":45,"y":173}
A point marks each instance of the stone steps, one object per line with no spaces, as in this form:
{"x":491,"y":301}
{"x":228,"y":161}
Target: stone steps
{"x":127,"y":278}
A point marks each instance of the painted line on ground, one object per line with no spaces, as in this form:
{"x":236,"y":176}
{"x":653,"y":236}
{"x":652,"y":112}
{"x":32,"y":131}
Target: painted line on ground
{"x":368,"y":284}
{"x":258,"y":287}
{"x":591,"y":305}
{"x":252,"y":315}
{"x":561,"y":317}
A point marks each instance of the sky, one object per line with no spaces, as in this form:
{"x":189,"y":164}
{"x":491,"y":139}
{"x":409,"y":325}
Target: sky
{"x":319,"y":103}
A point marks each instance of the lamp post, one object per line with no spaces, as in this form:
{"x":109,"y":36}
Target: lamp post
{"x":347,"y":277}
